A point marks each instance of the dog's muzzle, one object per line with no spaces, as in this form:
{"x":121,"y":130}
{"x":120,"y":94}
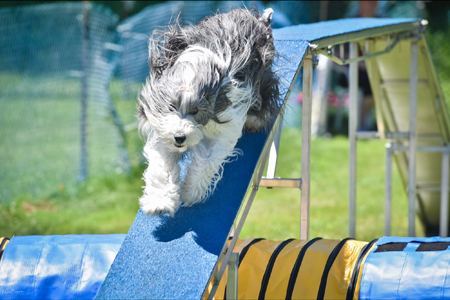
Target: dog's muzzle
{"x":179,"y":140}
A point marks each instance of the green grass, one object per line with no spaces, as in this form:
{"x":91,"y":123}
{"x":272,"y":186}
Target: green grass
{"x":109,"y":205}
{"x":102,"y":205}
{"x":440,"y":51}
{"x":40,"y":136}
{"x":275,"y":213}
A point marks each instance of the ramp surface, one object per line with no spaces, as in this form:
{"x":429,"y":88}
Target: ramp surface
{"x":173,"y":258}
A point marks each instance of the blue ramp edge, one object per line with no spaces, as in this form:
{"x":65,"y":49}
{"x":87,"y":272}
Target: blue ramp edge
{"x":407,"y":273}
{"x":173,"y":258}
{"x":315,"y":31}
{"x":56,"y":267}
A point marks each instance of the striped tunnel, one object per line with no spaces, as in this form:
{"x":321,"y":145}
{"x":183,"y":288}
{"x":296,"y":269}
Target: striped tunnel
{"x":297,"y":269}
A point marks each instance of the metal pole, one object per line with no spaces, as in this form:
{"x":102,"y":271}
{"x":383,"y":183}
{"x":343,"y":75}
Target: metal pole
{"x":352,"y":128}
{"x":443,"y":224}
{"x":388,"y":192}
{"x":412,"y":139}
{"x":306,"y":145}
{"x":226,"y":258}
{"x":82,"y":175}
{"x":232,"y":278}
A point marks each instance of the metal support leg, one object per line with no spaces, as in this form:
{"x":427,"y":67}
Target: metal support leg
{"x":412,"y":139}
{"x":227,"y":257}
{"x":83,"y":172}
{"x":218,"y":273}
{"x":353,"y":116}
{"x":232,"y":278}
{"x":388,"y":191}
{"x":443,"y":225}
{"x":306,"y":145}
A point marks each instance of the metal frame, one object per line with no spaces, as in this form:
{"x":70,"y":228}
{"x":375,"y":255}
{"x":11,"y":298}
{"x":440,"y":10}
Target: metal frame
{"x":232,"y":278}
{"x":83,"y":163}
{"x":227,"y":251}
{"x":231,"y":259}
{"x":377,"y":135}
{"x":411,"y":135}
{"x":413,"y":68}
{"x":352,"y":129}
{"x":443,"y":225}
{"x":270,"y":181}
{"x":308,"y":62}
{"x":388,"y":190}
{"x":443,"y":188}
{"x":329,"y":52}
{"x":228,"y":258}
{"x":302,"y":183}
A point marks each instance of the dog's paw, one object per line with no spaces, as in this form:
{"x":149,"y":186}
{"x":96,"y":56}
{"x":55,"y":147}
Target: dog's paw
{"x":158,"y":206}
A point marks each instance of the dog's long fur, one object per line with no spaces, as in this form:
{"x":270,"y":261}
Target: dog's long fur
{"x":207,"y":82}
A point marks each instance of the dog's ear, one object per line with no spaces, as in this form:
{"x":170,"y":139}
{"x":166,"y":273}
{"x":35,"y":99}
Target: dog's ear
{"x":144,"y":124}
{"x":221,"y":103}
{"x":219,"y":70}
{"x":219,"y":64}
{"x":266,"y":17}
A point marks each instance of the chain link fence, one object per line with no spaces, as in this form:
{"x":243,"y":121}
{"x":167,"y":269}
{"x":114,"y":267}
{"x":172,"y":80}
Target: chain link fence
{"x":57,"y":122}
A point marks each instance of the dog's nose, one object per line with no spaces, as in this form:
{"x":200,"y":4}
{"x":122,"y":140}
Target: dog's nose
{"x":180,"y":138}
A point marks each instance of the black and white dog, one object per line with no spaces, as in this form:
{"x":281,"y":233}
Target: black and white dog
{"x":207,"y":83}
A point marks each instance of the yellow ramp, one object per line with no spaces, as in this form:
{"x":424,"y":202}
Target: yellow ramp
{"x":389,"y":76}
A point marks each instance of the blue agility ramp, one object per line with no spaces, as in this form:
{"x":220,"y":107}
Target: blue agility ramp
{"x":174,"y":258}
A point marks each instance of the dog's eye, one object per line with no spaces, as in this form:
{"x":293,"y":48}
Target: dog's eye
{"x":172,"y":107}
{"x":194,"y":111}
{"x":240,"y":76}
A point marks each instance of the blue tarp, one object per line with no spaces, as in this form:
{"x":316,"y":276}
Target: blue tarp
{"x":56,"y":267}
{"x":407,"y":273}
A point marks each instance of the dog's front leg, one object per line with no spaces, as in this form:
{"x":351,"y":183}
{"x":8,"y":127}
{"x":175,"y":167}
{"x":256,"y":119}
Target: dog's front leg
{"x":208,"y":157}
{"x":162,"y":181}
{"x":214,"y":150}
{"x":206,"y":163}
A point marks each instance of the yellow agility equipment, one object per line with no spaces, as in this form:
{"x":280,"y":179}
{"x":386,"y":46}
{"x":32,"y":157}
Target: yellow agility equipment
{"x":3,"y":242}
{"x":298,"y":269}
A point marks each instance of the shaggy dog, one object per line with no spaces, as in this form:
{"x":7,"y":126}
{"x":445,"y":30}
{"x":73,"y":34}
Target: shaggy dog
{"x":207,"y":83}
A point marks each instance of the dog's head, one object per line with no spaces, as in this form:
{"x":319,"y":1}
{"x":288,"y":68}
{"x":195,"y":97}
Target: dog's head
{"x":175,"y":106}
